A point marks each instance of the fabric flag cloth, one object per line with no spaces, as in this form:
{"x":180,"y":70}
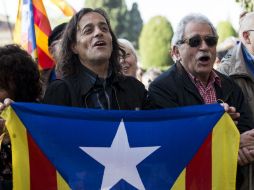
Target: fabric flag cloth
{"x":62,"y":148}
{"x":31,"y":31}
{"x":65,"y":7}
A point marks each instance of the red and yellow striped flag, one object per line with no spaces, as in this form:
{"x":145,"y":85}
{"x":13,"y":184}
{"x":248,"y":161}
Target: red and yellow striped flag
{"x":31,"y":169}
{"x":214,"y":166}
{"x":66,"y":8}
{"x":32,"y":30}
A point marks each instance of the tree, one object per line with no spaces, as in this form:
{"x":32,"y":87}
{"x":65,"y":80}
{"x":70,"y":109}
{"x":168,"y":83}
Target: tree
{"x":117,"y":11}
{"x":125,"y":24}
{"x":135,"y":25}
{"x":154,"y":43}
{"x":248,"y":5}
{"x":225,"y":30}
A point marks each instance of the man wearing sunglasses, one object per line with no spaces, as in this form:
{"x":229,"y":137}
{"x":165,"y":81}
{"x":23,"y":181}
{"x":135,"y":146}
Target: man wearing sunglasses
{"x":239,"y":65}
{"x":192,"y":79}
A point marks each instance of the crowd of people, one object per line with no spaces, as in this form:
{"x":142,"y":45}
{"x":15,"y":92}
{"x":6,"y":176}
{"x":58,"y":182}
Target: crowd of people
{"x":97,"y":70}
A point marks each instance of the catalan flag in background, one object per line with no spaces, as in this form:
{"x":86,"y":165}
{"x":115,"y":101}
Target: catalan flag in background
{"x":56,"y":147}
{"x":66,"y":8}
{"x":32,"y":29}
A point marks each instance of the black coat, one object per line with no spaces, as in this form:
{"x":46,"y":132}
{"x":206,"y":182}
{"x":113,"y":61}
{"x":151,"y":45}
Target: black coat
{"x":128,"y":93}
{"x":174,"y":88}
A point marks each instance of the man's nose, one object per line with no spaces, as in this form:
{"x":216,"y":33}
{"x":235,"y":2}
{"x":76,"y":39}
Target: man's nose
{"x":203,"y":45}
{"x":98,"y":32}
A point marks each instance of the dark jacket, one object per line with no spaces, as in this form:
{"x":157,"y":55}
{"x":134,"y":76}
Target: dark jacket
{"x":127,"y":92}
{"x":174,"y":88}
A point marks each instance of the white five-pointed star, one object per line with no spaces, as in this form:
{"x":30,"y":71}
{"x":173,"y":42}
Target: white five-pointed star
{"x":120,"y":160}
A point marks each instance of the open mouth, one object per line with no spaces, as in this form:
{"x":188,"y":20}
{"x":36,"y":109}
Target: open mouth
{"x":99,"y":44}
{"x":204,"y":58}
{"x":125,"y":68}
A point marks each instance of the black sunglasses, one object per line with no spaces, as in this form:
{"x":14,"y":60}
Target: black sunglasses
{"x":196,"y":41}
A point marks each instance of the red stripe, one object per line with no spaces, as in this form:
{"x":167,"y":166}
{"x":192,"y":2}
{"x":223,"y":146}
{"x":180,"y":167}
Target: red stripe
{"x":41,"y":21}
{"x":199,"y":170}
{"x":42,"y":172}
{"x":44,"y":60}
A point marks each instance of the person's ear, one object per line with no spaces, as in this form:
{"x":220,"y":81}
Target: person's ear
{"x":175,"y":53}
{"x":246,"y":37}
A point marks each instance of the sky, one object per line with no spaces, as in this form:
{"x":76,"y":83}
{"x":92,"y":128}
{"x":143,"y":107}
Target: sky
{"x":173,"y":10}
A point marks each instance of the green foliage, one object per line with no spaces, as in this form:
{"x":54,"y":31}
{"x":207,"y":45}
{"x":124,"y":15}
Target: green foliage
{"x":135,"y":25}
{"x":225,"y":30}
{"x":154,"y":43}
{"x":248,"y":5}
{"x":116,"y":9}
{"x":125,"y":24}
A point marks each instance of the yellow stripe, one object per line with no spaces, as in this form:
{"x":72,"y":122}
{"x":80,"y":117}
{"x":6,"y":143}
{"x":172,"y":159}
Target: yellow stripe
{"x":180,"y":182}
{"x":39,"y":5}
{"x":64,"y":6}
{"x":41,"y":40}
{"x":225,"y":144}
{"x":20,"y":155}
{"x":17,"y":28}
{"x":61,"y":184}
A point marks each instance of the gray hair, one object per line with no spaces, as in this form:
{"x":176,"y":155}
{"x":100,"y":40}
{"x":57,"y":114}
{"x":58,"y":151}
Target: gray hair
{"x":193,"y":17}
{"x":246,"y":22}
{"x":126,"y":43}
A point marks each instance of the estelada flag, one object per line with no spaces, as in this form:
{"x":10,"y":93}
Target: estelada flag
{"x":32,"y":30}
{"x":56,"y":147}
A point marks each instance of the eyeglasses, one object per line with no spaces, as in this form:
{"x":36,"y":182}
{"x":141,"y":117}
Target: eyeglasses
{"x":196,"y":41}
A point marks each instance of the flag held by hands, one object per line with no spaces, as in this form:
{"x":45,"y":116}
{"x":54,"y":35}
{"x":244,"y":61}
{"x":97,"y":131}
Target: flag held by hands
{"x":57,"y":147}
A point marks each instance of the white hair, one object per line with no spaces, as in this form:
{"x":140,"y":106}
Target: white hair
{"x":192,"y":17}
{"x":126,"y":43}
{"x":246,"y":22}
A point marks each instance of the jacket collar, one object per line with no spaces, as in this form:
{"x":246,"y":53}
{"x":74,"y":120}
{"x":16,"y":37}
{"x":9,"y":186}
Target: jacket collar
{"x":88,"y":79}
{"x":187,"y":83}
{"x":236,"y":61}
{"x":190,"y":86}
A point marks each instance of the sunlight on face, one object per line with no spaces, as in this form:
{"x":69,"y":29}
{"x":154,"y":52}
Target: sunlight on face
{"x":129,"y":62}
{"x":198,"y":60}
{"x":94,"y":41}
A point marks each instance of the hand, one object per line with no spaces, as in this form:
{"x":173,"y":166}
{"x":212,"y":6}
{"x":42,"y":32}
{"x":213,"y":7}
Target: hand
{"x":6,"y":103}
{"x":245,"y":156}
{"x":231,"y":111}
{"x":247,"y":139}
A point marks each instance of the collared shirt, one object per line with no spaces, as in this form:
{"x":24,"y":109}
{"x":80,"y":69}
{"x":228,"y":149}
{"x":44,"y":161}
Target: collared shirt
{"x":207,"y":91}
{"x":100,"y":94}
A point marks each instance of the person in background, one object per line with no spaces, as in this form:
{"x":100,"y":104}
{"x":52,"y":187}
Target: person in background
{"x":238,"y":64}
{"x":54,"y":40}
{"x":149,"y":76}
{"x":19,"y":81}
{"x":128,"y":58}
{"x":192,"y":79}
{"x":89,"y":62}
{"x":223,"y":48}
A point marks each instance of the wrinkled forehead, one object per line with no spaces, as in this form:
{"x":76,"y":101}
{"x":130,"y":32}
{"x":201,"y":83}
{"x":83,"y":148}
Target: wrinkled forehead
{"x":91,"y":18}
{"x":198,"y":28}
